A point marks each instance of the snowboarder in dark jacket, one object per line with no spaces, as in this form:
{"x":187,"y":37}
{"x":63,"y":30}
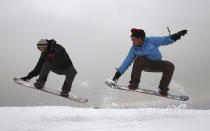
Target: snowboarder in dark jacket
{"x":147,"y":57}
{"x":53,"y":58}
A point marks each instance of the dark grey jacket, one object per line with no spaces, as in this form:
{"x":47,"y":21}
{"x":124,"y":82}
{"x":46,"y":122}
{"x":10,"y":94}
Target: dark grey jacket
{"x":56,"y":55}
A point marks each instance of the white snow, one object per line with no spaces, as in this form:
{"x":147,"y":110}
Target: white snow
{"x":60,"y":118}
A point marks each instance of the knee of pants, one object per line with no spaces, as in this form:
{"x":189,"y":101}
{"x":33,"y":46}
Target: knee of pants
{"x":46,"y":63}
{"x":140,"y":60}
{"x":72,"y":71}
{"x":169,"y":66}
{"x":47,"y":66}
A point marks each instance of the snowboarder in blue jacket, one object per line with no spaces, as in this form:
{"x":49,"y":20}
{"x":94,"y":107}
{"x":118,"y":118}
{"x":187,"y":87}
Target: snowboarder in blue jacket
{"x":147,"y":57}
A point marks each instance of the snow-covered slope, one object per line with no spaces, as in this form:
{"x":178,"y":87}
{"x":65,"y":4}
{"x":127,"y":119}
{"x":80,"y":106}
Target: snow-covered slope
{"x":86,"y":119}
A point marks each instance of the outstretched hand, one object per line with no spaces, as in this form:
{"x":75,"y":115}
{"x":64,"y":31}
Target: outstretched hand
{"x":178,"y":35}
{"x":183,"y":32}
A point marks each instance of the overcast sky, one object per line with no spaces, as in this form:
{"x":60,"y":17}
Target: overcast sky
{"x":96,"y":34}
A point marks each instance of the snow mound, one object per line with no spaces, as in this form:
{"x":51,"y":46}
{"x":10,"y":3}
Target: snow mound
{"x":86,"y":119}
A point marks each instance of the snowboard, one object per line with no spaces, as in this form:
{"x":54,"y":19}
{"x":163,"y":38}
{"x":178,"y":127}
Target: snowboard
{"x":110,"y":83}
{"x":49,"y":90}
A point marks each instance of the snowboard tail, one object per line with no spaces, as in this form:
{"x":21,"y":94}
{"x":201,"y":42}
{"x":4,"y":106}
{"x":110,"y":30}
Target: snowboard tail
{"x":50,"y":91}
{"x":114,"y":85}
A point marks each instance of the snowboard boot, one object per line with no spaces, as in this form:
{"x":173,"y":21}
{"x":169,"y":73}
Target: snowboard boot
{"x":39,"y":84}
{"x":64,"y":94}
{"x":65,"y":90}
{"x":133,"y":86}
{"x":163,"y":90}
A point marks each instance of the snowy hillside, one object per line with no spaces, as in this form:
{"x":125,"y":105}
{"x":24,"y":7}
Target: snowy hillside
{"x":86,"y":119}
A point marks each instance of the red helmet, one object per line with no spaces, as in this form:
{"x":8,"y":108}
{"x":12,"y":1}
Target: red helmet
{"x":134,"y":30}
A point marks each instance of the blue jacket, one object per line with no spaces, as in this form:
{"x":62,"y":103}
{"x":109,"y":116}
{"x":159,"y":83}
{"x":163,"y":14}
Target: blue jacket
{"x":150,"y":50}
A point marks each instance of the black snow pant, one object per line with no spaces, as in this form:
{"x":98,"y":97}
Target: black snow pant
{"x":69,"y":72}
{"x":141,"y":63}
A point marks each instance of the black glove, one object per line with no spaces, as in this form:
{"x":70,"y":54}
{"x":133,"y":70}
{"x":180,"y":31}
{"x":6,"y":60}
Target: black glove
{"x":178,"y":35}
{"x":116,"y":76}
{"x":25,"y":78}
